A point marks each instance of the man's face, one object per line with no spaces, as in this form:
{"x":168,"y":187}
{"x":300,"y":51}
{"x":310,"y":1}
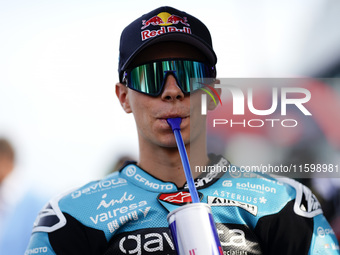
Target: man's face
{"x":151,"y":112}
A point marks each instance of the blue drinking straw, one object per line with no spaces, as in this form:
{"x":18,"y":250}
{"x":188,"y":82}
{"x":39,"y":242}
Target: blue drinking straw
{"x":175,"y":124}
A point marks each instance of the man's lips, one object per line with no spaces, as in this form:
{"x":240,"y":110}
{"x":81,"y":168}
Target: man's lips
{"x":173,"y":115}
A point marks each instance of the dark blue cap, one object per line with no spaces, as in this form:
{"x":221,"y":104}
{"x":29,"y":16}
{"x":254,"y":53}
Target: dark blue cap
{"x":163,"y":24}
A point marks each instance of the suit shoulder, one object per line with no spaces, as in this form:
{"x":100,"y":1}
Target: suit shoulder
{"x":75,"y":202}
{"x":306,"y":203}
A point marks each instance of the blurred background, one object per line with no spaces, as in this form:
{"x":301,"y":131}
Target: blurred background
{"x":58,"y":69}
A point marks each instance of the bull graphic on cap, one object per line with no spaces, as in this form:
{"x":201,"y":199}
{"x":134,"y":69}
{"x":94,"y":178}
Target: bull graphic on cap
{"x":164,"y":19}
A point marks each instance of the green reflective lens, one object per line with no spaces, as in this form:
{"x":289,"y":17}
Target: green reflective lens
{"x":149,"y":78}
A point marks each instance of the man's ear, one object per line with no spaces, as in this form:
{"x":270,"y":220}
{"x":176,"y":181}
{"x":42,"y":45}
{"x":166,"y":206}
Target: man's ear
{"x":211,"y":104}
{"x":123,"y":97}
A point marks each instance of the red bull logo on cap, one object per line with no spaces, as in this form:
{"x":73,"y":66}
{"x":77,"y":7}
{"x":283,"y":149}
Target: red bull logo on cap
{"x":164,"y":20}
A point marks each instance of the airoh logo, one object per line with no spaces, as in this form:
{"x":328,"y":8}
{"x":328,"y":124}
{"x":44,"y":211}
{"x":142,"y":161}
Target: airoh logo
{"x":217,"y":201}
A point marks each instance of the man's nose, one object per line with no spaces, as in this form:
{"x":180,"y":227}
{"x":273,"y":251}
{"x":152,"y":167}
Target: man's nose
{"x":171,"y":90}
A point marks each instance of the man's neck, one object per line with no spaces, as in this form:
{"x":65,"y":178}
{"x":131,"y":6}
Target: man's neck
{"x":165,"y":163}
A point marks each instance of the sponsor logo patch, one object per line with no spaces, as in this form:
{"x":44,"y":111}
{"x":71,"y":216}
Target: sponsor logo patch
{"x":164,"y":20}
{"x":99,"y":186}
{"x":178,"y":198}
{"x":144,"y":241}
{"x":217,"y":201}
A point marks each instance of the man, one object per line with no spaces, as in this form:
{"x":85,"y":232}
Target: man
{"x":125,"y":213}
{"x":19,"y":204}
